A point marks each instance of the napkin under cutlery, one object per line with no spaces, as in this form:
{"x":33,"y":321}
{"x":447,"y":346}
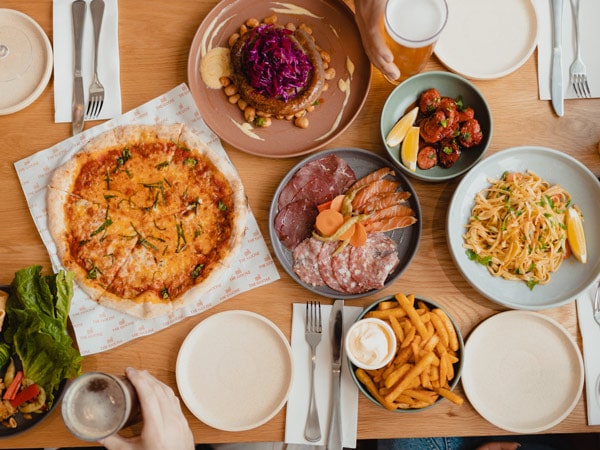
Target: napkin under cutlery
{"x":297,"y":405}
{"x":590,"y":333}
{"x":590,"y":36}
{"x":108,"y":59}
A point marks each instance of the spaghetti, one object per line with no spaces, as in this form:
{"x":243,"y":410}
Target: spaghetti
{"x":517,"y":228}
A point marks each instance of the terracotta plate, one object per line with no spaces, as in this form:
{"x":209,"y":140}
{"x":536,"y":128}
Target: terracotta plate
{"x":335,"y":31}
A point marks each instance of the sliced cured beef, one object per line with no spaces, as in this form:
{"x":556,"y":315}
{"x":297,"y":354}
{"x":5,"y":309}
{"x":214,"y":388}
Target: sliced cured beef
{"x":306,"y":256}
{"x":331,"y":168}
{"x":371,"y":264}
{"x":326,"y":267}
{"x":294,"y":222}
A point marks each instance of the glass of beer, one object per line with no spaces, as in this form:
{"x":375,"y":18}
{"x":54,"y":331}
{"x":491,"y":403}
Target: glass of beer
{"x":411,"y":28}
{"x":96,"y":405}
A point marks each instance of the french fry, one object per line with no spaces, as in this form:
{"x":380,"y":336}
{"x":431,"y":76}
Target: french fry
{"x":454,"y":398}
{"x":414,"y":372}
{"x":452,"y":338}
{"x":394,"y":376}
{"x":387,"y":313}
{"x":381,"y":306}
{"x":398,"y":331}
{"x":414,"y":317}
{"x":366,"y":380}
{"x":440,"y":329}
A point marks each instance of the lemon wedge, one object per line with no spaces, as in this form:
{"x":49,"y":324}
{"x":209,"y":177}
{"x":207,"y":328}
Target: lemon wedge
{"x":575,"y":235}
{"x":399,"y":130}
{"x":410,"y":148}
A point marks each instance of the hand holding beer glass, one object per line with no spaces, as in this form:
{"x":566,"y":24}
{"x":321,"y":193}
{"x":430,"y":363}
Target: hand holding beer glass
{"x":410,"y":29}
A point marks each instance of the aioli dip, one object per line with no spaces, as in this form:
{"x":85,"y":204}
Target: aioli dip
{"x":370,"y":343}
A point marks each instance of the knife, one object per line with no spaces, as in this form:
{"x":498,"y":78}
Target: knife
{"x":336,"y":330}
{"x":78,"y":12}
{"x":556,"y":85}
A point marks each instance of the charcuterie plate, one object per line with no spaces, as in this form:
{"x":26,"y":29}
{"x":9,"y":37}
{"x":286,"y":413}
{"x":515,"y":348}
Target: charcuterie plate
{"x":334,"y":29}
{"x":362,"y":163}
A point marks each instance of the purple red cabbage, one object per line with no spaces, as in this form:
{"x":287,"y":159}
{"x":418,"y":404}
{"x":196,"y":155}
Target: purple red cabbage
{"x":274,"y":64}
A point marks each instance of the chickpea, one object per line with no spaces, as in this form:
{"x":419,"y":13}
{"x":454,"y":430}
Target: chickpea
{"x":233,"y":38}
{"x":301,"y":122}
{"x":230,"y":89}
{"x":225,"y":81}
{"x":325,"y":87}
{"x":263,"y":114}
{"x":289,"y":117}
{"x":325,"y":56}
{"x":270,"y":20}
{"x":330,"y":73}
{"x":263,"y":122}
{"x":300,"y":113}
{"x":252,"y":23}
{"x":243,"y":29}
{"x":305,"y":28}
{"x":290,"y":26}
{"x":242,"y":104}
{"x":234,"y":98}
{"x":310,"y":108}
{"x":250,"y":114}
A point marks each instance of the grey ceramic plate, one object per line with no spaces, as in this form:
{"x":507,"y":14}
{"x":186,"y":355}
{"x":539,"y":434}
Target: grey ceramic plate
{"x":362,"y":162}
{"x":556,"y":167}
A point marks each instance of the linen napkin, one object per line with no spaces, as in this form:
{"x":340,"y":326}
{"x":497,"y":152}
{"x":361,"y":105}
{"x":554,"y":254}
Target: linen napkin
{"x":298,"y":400}
{"x":98,"y":328}
{"x":108,"y":59}
{"x":590,"y":36}
{"x":590,"y":333}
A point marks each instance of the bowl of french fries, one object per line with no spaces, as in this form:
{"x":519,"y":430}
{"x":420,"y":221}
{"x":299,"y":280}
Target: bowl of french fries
{"x":428,"y":359}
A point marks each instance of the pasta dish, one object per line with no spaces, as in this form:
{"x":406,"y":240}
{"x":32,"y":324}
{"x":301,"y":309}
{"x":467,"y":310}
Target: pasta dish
{"x":517,"y":228}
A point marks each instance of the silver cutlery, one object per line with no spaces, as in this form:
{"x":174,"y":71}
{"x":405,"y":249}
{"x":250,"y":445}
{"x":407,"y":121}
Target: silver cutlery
{"x":312,"y":334}
{"x":597,"y":304}
{"x":556,"y":84}
{"x":96,"y":99}
{"x":577,"y":70}
{"x":336,"y":327}
{"x":78,"y":8}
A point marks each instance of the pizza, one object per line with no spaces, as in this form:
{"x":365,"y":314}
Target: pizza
{"x":147,"y":217}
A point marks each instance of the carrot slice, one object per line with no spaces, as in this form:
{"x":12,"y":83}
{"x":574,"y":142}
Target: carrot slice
{"x":337,"y":202}
{"x":328,"y":221}
{"x":14,"y":386}
{"x":359,"y":237}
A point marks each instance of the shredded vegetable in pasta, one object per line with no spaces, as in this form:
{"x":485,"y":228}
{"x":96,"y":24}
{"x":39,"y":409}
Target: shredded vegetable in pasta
{"x":517,"y":228}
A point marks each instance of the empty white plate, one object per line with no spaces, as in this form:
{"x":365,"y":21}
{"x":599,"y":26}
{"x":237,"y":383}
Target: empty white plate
{"x":234,"y":370}
{"x":486,"y":39}
{"x":522,"y":371}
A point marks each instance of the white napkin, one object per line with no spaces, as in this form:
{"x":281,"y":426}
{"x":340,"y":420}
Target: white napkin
{"x":590,"y":36}
{"x":590,"y":332}
{"x":108,"y":59}
{"x":297,"y":405}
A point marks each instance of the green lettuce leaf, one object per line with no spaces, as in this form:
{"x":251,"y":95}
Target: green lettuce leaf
{"x":37,"y":312}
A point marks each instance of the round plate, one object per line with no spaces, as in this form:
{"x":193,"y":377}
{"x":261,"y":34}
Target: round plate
{"x":556,"y":167}
{"x":404,"y":97}
{"x":495,"y":39}
{"x":234,"y":370}
{"x":25,"y":61}
{"x":362,"y":162}
{"x":335,"y":31}
{"x":522,"y":371}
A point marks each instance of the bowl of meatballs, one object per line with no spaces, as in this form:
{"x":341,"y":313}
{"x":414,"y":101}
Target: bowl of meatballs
{"x":454,"y":125}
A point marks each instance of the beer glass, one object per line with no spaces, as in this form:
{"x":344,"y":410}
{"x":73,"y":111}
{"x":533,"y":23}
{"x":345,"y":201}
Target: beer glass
{"x":411,"y":28}
{"x":96,"y":405}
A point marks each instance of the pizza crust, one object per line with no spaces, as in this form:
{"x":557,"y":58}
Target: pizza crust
{"x":101,"y":238}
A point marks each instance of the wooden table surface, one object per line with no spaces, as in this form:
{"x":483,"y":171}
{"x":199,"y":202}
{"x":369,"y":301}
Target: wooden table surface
{"x":155,"y":37}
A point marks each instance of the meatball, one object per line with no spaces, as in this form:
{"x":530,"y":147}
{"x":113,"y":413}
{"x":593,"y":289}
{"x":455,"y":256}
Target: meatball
{"x":429,"y":100}
{"x":427,"y":157}
{"x":448,"y":153}
{"x":470,"y":133}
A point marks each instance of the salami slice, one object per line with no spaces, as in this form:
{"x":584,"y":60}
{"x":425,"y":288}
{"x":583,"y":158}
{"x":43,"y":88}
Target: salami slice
{"x":341,"y":268}
{"x":306,"y":256}
{"x":294,"y":222}
{"x":371,"y":264}
{"x":325,"y":265}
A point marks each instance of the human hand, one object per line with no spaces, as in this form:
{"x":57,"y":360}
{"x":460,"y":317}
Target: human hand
{"x":368,"y":16}
{"x":499,"y":446}
{"x":164,"y":426}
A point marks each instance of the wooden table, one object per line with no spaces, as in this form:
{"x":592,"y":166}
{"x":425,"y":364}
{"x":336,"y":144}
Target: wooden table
{"x":155,"y":37}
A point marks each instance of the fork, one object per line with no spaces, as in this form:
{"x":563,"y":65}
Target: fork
{"x":312,"y":334}
{"x":597,"y":304}
{"x":96,"y":100}
{"x":577,"y":69}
